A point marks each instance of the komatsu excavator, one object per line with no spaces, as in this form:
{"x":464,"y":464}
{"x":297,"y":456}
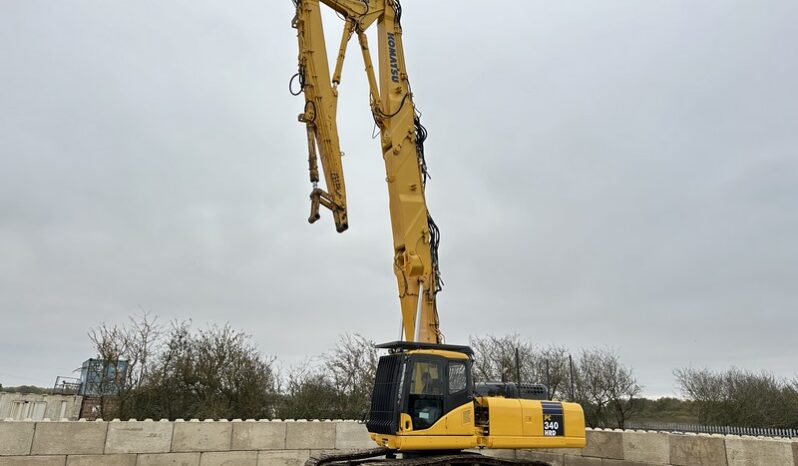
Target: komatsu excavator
{"x":425,"y":408}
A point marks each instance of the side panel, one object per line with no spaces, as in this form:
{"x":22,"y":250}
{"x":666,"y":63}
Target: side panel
{"x":521,"y":423}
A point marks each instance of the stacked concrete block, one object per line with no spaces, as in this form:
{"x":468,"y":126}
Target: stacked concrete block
{"x":604,"y":444}
{"x":690,"y":450}
{"x":202,"y":436}
{"x":69,"y":438}
{"x":290,"y":443}
{"x":229,"y":458}
{"x":139,"y":437}
{"x":32,"y":460}
{"x":258,"y":435}
{"x":316,"y":435}
{"x":127,"y":459}
{"x":554,"y":459}
{"x":16,"y":438}
{"x":742,"y":451}
{"x":283,"y":457}
{"x":646,"y":447}
{"x":169,"y":459}
{"x":350,"y":435}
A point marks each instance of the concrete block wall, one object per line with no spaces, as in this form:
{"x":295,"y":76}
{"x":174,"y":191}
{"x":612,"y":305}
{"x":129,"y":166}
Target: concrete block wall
{"x":639,"y":448}
{"x":179,"y":443}
{"x":290,"y":443}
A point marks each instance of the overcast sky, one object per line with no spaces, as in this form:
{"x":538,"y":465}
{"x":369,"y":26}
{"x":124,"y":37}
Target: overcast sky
{"x":619,"y":173}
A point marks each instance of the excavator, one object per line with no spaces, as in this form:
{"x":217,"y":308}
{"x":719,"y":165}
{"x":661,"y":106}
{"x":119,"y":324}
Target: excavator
{"x":426,"y":409}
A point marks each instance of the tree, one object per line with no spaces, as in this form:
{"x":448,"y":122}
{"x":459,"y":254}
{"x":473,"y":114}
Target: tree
{"x":309,"y":394}
{"x":216,"y":373}
{"x":605,"y":388}
{"x":352,"y":368}
{"x":129,"y":348}
{"x":338,"y":388}
{"x":737,"y":397}
{"x":494,"y":359}
{"x":180,"y":373}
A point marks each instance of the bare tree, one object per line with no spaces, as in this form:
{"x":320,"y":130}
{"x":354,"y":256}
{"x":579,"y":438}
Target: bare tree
{"x":215,"y":373}
{"x":494,"y":359}
{"x":309,"y":394}
{"x":552,"y":368}
{"x":740,"y":398}
{"x":211,"y":373}
{"x":352,"y":367}
{"x":123,"y":357}
{"x":605,"y":388}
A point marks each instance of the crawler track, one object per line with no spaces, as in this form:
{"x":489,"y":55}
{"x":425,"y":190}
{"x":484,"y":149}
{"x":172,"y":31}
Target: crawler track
{"x":376,"y":457}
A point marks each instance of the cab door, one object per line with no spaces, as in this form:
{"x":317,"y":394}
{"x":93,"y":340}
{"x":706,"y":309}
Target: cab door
{"x":459,"y":403}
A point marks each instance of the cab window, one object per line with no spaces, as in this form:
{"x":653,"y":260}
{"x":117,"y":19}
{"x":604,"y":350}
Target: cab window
{"x":457,"y":377}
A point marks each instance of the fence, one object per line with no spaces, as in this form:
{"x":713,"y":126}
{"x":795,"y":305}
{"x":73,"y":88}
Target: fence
{"x":725,"y":430}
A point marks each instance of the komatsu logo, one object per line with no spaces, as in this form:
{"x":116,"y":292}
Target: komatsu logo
{"x":393,"y":57}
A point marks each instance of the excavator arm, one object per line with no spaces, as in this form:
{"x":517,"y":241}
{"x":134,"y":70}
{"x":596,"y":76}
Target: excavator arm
{"x":415,"y":235}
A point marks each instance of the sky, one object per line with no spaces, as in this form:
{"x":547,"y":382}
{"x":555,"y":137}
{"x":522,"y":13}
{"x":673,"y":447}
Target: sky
{"x":615,"y":174}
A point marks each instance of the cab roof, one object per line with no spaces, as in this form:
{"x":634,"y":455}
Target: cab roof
{"x":396,"y":346}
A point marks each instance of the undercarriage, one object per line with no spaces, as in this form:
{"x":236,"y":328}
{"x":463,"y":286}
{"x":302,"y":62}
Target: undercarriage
{"x":388,"y":457}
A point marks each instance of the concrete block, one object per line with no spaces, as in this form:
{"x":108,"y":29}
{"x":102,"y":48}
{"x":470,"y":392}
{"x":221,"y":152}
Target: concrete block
{"x":646,"y":447}
{"x":258,"y":435}
{"x":69,"y":438}
{"x":505,"y":453}
{"x":229,"y":458}
{"x":16,"y":438}
{"x":310,"y":435}
{"x":746,"y":451}
{"x":552,"y":459}
{"x":139,"y":437}
{"x":604,"y":444}
{"x":562,"y":451}
{"x":697,"y":450}
{"x":101,"y":460}
{"x":581,"y":461}
{"x":169,"y":459}
{"x":606,"y":462}
{"x":351,"y":436}
{"x":202,"y":436}
{"x":283,"y":457}
{"x":32,"y":460}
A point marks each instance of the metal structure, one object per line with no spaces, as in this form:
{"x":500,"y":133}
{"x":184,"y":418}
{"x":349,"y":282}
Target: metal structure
{"x":705,"y":429}
{"x":102,"y":378}
{"x":66,"y":386}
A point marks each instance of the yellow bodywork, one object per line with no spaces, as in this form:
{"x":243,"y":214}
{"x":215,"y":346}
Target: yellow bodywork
{"x":513,"y":423}
{"x":414,"y":233}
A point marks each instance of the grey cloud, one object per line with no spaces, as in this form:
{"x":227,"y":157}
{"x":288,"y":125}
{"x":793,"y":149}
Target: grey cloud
{"x":617,"y":174}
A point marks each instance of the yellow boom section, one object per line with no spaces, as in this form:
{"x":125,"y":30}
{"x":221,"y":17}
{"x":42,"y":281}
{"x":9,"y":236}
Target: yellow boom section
{"x":415,"y":236}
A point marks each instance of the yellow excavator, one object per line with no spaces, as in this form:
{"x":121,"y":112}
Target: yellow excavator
{"x":426,"y":408}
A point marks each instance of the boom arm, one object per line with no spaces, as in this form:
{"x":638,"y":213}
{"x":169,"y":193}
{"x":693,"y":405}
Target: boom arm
{"x":415,"y":236}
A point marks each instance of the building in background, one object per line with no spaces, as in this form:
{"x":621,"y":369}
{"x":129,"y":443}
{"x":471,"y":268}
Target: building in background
{"x":21,"y":406}
{"x":102,"y":378}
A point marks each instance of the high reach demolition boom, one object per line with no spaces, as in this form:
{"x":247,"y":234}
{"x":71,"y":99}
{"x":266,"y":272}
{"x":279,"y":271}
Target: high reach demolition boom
{"x":415,"y":235}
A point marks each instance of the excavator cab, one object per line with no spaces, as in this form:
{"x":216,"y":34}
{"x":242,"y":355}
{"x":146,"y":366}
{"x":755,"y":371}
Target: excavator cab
{"x":425,"y":399}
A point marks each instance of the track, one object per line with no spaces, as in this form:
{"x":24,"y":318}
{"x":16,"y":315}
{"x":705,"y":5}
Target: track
{"x":376,"y":457}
